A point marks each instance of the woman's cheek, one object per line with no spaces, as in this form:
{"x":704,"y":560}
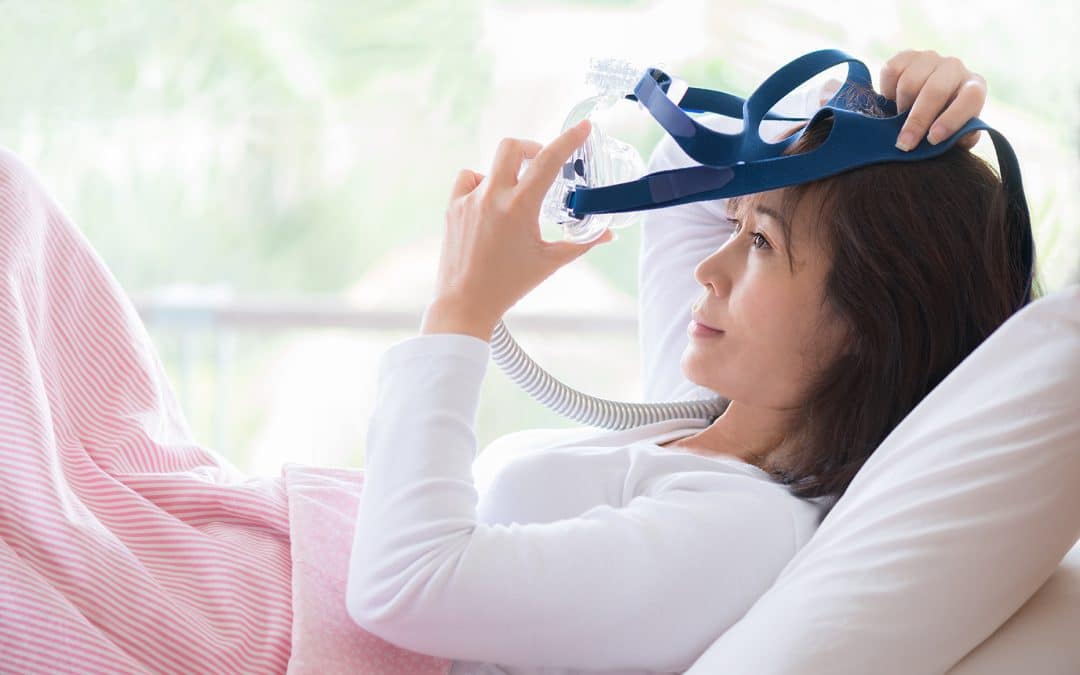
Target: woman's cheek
{"x":752,"y":310}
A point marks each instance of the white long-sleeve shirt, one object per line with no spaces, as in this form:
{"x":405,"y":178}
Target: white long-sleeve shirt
{"x":565,"y":550}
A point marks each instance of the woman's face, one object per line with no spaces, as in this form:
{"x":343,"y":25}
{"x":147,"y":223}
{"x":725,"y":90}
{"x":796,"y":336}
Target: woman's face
{"x":777,"y":331}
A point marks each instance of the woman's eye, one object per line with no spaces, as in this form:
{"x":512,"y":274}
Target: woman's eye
{"x":757,"y":238}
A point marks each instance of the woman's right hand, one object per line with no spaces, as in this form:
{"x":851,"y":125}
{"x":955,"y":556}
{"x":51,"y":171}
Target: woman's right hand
{"x":927,"y":83}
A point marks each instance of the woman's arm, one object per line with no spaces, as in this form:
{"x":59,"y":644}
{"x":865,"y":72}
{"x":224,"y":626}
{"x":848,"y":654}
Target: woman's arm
{"x":647,"y":584}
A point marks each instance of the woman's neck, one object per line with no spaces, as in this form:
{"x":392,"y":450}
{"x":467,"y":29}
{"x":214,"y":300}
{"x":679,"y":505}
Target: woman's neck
{"x":749,"y":433}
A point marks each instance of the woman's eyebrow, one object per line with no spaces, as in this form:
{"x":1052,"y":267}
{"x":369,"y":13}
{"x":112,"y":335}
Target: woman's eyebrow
{"x":772,"y":214}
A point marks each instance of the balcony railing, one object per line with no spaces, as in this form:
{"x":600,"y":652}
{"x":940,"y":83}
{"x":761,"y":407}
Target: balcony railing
{"x":195,"y":314}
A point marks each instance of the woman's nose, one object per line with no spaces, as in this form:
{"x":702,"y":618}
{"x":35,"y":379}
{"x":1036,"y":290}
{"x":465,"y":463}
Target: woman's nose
{"x":716,"y":271}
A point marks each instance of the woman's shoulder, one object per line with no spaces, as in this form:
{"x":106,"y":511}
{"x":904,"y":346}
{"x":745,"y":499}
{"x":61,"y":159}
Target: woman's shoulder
{"x":730,"y":480}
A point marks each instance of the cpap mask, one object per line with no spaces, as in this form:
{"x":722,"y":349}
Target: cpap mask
{"x":601,"y":160}
{"x":603,"y":186}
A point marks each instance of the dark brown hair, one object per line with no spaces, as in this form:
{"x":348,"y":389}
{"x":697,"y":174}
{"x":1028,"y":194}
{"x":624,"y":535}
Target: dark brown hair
{"x":922,"y":270}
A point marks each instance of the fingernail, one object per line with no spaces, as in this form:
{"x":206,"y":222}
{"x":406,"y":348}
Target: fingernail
{"x":936,"y":135}
{"x":906,"y":140}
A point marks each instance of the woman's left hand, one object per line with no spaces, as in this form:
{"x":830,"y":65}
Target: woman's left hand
{"x":493,"y":253}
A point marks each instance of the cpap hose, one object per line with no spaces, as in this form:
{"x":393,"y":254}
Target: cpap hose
{"x":590,"y":410}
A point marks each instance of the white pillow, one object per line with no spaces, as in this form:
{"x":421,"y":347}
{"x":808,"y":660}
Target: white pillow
{"x":961,"y":514}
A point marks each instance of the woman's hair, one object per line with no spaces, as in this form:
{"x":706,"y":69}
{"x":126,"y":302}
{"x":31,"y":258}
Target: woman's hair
{"x":922,"y":270}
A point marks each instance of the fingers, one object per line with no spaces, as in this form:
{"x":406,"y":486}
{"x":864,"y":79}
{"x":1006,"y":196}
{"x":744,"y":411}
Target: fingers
{"x":911,"y":82}
{"x":508,"y":157}
{"x":567,"y":251}
{"x":925,"y":82}
{"x":505,"y":167}
{"x":933,"y":95}
{"x":968,"y":103}
{"x":465,"y":183}
{"x":969,"y":140}
{"x":891,"y":71}
{"x":549,"y":161}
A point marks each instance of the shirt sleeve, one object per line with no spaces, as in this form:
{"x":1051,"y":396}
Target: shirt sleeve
{"x":674,"y":240}
{"x":646,"y":585}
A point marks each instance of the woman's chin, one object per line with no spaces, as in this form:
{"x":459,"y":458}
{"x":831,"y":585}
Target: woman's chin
{"x":723,"y":386}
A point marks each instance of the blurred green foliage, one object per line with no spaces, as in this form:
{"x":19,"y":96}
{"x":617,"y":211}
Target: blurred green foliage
{"x":233,"y":140}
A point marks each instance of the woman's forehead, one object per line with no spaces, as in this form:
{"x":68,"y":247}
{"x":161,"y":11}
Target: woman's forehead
{"x":786,"y":200}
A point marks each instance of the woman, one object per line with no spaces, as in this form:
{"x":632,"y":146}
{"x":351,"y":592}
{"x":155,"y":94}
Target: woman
{"x":127,"y":547}
{"x":868,"y":287}
{"x":837,"y":306}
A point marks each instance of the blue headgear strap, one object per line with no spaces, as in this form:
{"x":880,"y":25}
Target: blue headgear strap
{"x":743,"y":163}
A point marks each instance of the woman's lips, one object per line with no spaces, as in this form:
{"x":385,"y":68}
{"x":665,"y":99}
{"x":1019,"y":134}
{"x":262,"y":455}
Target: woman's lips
{"x":701,"y":330}
{"x":698,"y":319}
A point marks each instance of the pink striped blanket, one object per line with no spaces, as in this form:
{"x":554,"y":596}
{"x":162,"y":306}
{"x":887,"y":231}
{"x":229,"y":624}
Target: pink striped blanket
{"x":126,"y":547}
